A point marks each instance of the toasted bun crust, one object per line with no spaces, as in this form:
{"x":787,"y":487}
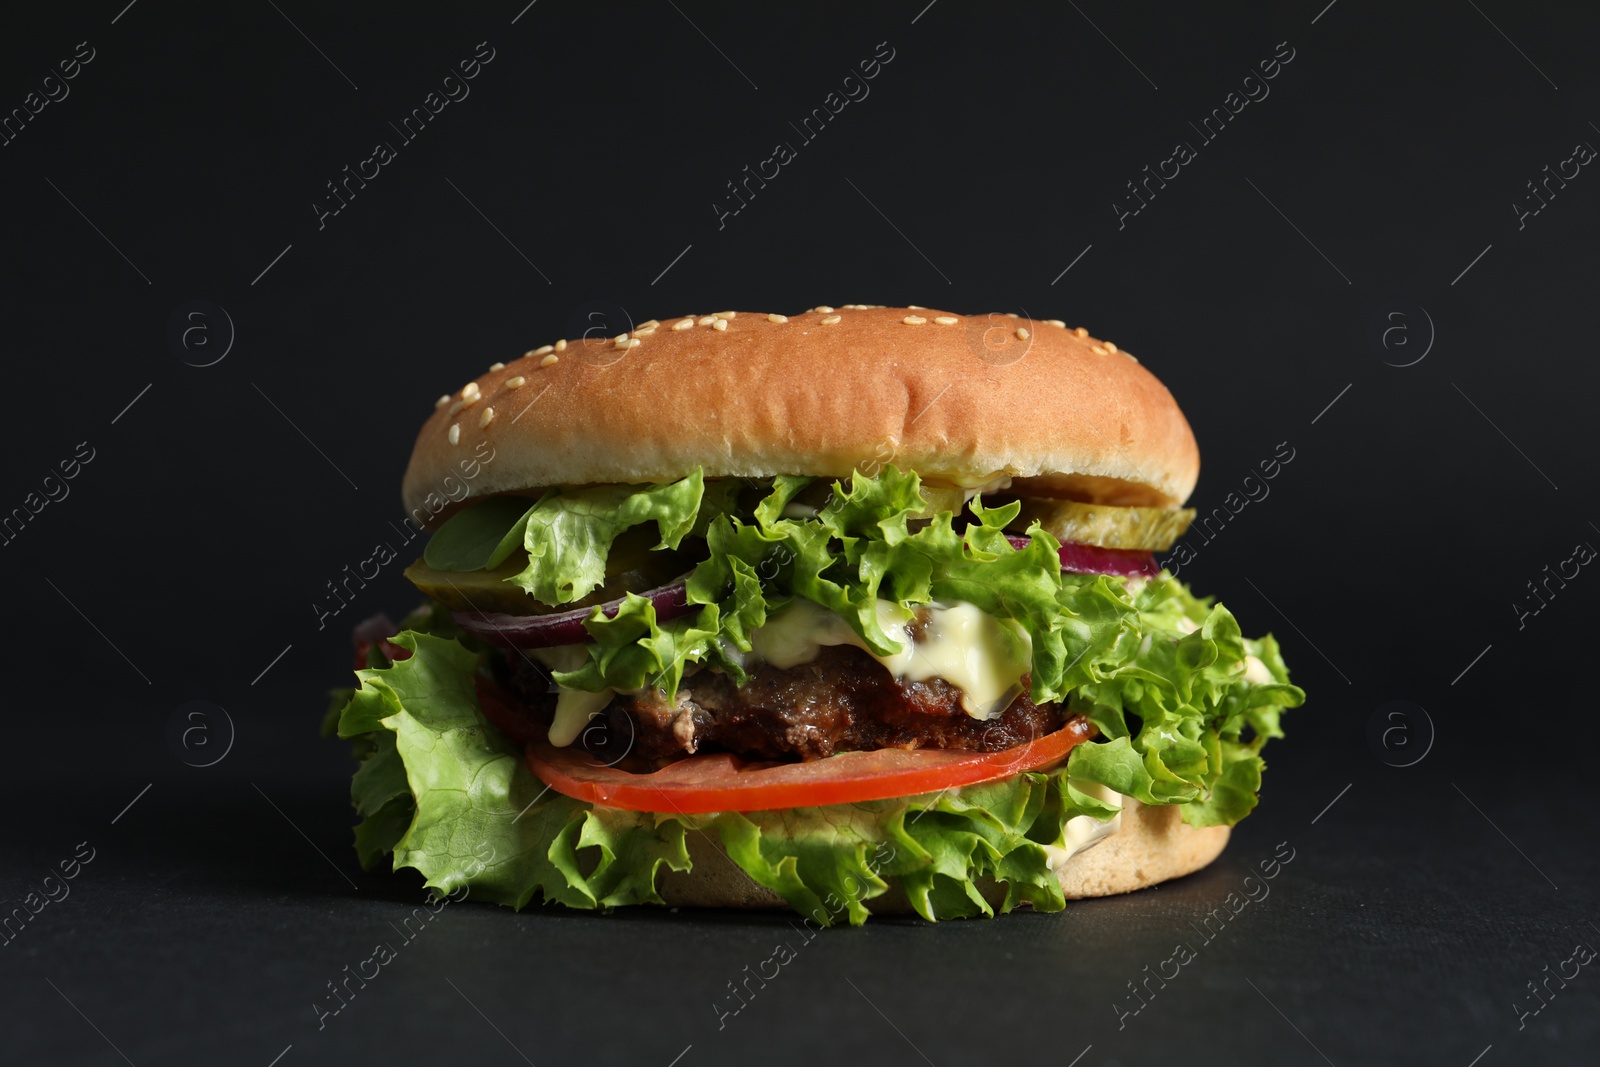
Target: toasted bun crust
{"x":1152,"y":845}
{"x":960,"y":399}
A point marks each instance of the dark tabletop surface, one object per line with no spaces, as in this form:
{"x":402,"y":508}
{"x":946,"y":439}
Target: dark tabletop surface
{"x":1403,"y":928}
{"x":1355,"y":265}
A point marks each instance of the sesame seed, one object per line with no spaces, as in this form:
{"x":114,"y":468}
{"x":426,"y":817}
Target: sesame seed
{"x":947,"y":320}
{"x":516,"y":383}
{"x":822,"y":309}
{"x":916,"y":307}
{"x":777,"y":318}
{"x":727,"y":314}
{"x":913,"y":320}
{"x":644,"y":331}
{"x":683,"y":324}
{"x":719,"y":324}
{"x":619,"y":339}
{"x":442,"y":401}
{"x":497,"y":366}
{"x":1056,"y":322}
{"x":832,"y":320}
{"x":541,"y":350}
{"x":561,"y":346}
{"x":1099,"y":351}
{"x":1110,"y":347}
{"x":1081,"y":332}
{"x":457,"y":406}
{"x":455,"y":433}
{"x":486,"y":418}
{"x":648,"y":324}
{"x":1022,"y":333}
{"x":706,"y":320}
{"x":550,"y":360}
{"x":632,"y":342}
{"x":1012,"y":315}
{"x":469,"y":392}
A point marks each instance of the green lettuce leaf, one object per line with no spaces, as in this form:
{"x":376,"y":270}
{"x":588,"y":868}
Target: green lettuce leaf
{"x":861,"y":548}
{"x":450,"y":796}
{"x":568,"y":533}
{"x":1181,"y":723}
{"x":1160,"y":672}
{"x":481,"y":535}
{"x":479,"y":818}
{"x":631,"y":650}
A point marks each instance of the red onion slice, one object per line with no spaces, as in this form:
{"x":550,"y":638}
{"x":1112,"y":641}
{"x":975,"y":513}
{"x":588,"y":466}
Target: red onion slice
{"x":1092,"y":559}
{"x":563,"y":627}
{"x":672,"y":601}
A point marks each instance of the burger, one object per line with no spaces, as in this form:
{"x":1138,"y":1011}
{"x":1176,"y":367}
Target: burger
{"x":856,"y":610}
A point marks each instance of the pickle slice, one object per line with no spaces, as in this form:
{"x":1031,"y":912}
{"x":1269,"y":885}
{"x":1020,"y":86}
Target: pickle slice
{"x":1153,"y":529}
{"x":941,"y":499}
{"x":631,"y":567}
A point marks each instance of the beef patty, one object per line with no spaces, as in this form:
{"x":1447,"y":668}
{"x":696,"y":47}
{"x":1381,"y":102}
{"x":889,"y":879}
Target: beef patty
{"x":842,"y":701}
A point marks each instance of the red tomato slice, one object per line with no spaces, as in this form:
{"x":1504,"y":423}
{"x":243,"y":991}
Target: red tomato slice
{"x":722,"y":782}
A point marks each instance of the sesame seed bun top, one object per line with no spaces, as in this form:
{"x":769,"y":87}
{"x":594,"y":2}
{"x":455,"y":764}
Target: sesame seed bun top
{"x":960,"y":399}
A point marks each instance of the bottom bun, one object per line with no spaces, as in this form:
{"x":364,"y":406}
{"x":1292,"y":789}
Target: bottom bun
{"x":1152,"y":844}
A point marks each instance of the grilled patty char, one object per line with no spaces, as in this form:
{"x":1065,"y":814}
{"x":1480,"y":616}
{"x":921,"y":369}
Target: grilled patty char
{"x":842,"y":701}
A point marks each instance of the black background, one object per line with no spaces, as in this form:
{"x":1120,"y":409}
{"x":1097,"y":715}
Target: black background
{"x":1388,"y":556}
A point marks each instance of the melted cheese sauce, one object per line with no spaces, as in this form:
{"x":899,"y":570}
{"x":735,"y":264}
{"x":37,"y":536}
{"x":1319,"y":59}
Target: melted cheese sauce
{"x":983,"y":656}
{"x":1081,"y":831}
{"x":574,"y":707}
